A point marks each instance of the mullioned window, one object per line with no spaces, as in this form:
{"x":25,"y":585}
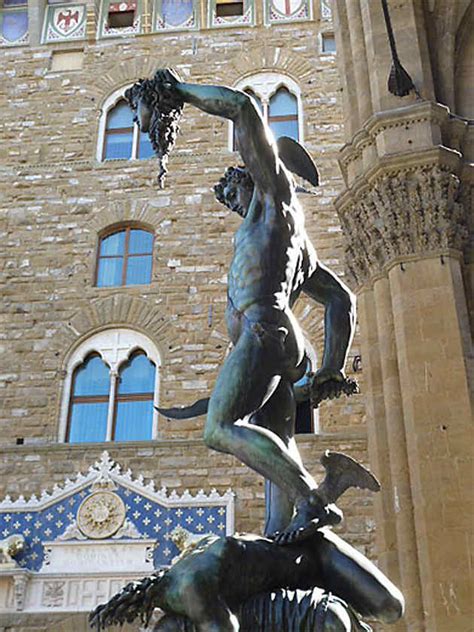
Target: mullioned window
{"x":110,"y":389}
{"x":279,"y":99}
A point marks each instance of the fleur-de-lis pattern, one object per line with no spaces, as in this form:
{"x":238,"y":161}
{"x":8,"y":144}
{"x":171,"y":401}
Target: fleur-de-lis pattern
{"x":152,"y":514}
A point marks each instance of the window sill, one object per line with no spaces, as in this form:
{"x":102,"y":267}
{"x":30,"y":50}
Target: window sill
{"x":114,"y":288}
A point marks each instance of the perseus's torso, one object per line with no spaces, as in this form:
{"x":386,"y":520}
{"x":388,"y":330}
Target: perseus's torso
{"x":272,"y":259}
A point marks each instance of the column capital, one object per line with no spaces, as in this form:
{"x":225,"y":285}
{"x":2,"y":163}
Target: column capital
{"x":414,"y":211}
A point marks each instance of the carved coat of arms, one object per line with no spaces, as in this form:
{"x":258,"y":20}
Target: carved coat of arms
{"x":285,"y":9}
{"x":67,"y":20}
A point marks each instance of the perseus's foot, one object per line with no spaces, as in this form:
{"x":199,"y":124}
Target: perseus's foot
{"x":310,"y":516}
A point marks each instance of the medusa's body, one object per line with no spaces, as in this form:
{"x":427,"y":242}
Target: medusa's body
{"x":225,"y":581}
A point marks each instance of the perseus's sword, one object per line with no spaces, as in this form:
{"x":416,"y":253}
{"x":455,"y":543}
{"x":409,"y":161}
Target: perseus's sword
{"x":304,"y":390}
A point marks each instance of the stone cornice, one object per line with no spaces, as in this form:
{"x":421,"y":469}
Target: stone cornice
{"x":389,"y":119}
{"x":178,"y":156}
{"x":396,"y":164}
{"x":131,"y":447}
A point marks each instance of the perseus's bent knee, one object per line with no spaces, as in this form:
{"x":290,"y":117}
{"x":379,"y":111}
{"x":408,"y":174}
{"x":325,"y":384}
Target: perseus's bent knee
{"x":214,"y":437}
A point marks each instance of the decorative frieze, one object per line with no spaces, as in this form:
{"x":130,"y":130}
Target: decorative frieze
{"x":53,"y":593}
{"x":405,"y":213}
{"x":20,"y":581}
{"x":229,"y":13}
{"x":85,"y":557}
{"x":109,"y":506}
{"x":120,"y":19}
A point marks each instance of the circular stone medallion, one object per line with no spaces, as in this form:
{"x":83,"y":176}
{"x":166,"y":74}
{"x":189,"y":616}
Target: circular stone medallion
{"x":100,"y":515}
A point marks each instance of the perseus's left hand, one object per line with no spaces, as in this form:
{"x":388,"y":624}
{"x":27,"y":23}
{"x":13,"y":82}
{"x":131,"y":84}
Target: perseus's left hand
{"x":166,"y":81}
{"x":330,"y":383}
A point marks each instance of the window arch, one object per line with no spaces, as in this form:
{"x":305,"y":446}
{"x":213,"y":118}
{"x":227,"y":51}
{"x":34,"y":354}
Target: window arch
{"x":279,"y":99}
{"x":89,"y":401}
{"x":124,"y":257}
{"x":119,"y":137}
{"x":111,"y":388}
{"x":283,"y":113}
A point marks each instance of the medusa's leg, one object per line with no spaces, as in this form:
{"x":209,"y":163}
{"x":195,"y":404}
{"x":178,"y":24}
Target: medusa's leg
{"x":352,"y":577}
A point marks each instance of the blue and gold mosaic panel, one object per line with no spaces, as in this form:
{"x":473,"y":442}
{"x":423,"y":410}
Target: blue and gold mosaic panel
{"x":109,"y":506}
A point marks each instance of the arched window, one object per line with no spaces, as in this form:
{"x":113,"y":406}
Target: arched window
{"x":125,"y":258}
{"x":111,"y":388}
{"x":119,"y":137}
{"x":89,"y":401}
{"x":279,"y":100}
{"x":119,"y":133}
{"x":283,"y":114}
{"x":134,"y":399}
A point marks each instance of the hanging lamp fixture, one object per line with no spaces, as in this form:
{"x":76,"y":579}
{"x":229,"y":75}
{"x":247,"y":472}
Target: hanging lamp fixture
{"x":399,"y":81}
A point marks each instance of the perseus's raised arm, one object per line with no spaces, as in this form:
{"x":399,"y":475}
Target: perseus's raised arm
{"x":255,"y":142}
{"x":254,"y":139}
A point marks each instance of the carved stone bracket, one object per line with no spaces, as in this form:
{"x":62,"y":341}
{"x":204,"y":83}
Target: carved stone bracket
{"x":20,"y":581}
{"x":403,"y":214}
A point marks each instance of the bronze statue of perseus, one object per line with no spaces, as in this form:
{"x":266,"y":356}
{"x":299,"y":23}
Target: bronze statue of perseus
{"x":252,"y":407}
{"x":304,"y":578}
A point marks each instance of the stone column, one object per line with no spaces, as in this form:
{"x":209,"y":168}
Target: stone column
{"x":405,"y":214}
{"x":401,"y":493}
{"x":405,"y":233}
{"x":377,"y":436}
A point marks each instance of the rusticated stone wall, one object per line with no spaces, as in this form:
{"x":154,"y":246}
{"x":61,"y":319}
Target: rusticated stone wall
{"x":57,"y":198}
{"x":188,"y":464}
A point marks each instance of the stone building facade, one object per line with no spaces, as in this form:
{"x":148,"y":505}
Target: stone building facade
{"x":61,"y":199}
